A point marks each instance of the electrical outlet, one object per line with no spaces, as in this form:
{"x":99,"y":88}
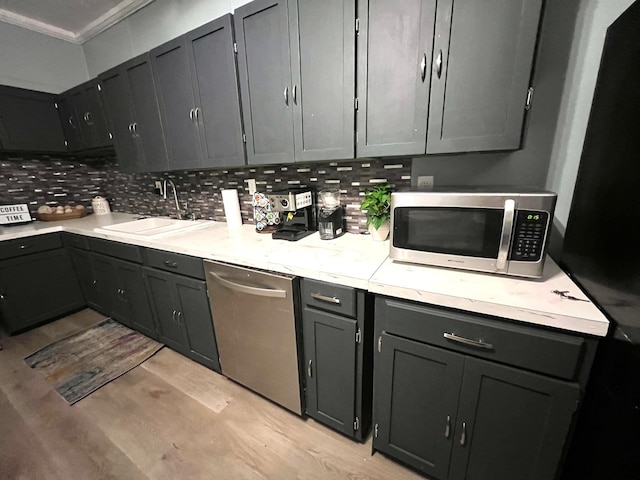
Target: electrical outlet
{"x":251,"y":185}
{"x":425,"y":181}
{"x":157,"y":184}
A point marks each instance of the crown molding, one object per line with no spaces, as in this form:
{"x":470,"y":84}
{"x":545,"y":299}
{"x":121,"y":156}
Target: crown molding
{"x":99,"y":25}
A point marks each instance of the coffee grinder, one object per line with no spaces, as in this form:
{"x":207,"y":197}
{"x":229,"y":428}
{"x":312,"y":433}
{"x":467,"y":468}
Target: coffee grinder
{"x":330,"y":218}
{"x":298,"y":209}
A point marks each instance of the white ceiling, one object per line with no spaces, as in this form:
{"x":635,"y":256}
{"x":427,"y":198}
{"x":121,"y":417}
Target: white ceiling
{"x":75,"y":21}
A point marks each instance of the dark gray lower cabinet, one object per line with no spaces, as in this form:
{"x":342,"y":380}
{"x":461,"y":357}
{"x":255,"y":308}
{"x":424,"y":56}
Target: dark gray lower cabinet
{"x":83,"y":262}
{"x":181,"y":308}
{"x":452,"y":415}
{"x":123,"y":293}
{"x":337,"y":355}
{"x":37,"y":287}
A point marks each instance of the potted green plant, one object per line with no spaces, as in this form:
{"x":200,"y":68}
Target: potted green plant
{"x":377,"y":204}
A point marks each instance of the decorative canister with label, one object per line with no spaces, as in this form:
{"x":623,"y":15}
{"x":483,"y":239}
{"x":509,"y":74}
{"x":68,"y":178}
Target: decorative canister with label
{"x":100,"y":206}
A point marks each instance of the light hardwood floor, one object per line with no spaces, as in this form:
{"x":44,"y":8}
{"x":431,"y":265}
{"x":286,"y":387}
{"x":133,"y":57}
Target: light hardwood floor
{"x":169,"y":418}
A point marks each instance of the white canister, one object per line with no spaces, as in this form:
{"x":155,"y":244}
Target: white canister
{"x":100,"y":206}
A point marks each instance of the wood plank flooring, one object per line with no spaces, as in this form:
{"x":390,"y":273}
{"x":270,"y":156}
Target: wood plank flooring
{"x":169,"y":418}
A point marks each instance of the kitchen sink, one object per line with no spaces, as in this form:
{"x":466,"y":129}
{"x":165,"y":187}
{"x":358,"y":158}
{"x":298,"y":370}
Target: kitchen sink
{"x":153,"y":227}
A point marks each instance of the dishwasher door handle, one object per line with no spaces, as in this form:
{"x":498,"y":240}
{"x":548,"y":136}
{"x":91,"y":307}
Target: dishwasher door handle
{"x":262,"y":292}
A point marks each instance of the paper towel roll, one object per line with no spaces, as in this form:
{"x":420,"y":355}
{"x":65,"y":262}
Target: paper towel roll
{"x":231,"y":208}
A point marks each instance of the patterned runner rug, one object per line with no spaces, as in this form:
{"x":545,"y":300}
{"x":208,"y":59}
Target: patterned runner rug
{"x":86,"y":360}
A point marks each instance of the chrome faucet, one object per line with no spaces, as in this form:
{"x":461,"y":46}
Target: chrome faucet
{"x":179,"y":211}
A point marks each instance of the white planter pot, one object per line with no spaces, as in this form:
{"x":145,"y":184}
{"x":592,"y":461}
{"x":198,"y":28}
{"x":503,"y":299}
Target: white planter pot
{"x":380,"y":234}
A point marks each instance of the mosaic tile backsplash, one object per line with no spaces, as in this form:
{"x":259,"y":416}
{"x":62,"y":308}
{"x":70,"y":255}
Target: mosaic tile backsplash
{"x":41,"y":179}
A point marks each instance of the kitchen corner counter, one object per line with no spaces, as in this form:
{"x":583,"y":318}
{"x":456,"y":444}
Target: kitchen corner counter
{"x":349,"y":260}
{"x":528,"y":300}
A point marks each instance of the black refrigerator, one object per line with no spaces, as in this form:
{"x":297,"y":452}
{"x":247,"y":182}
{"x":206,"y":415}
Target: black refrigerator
{"x":601,"y":252}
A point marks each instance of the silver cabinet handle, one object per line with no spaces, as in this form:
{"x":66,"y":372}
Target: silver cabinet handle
{"x":197,"y":113}
{"x":505,"y":236}
{"x":24,"y":247}
{"x":71,"y":122}
{"x":439,"y":64}
{"x":467,"y":341}
{"x":179,"y":317}
{"x":463,"y":435}
{"x":191,"y":114}
{"x":2,"y":297}
{"x":309,"y":371}
{"x":286,"y":96}
{"x":423,"y":67}
{"x":130,"y":128}
{"x":324,"y":298}
{"x":87,"y":118}
{"x":170,"y":264}
{"x":135,"y":127}
{"x":262,"y":292}
{"x":447,"y":428}
{"x":295,"y":94}
{"x":173,"y":316}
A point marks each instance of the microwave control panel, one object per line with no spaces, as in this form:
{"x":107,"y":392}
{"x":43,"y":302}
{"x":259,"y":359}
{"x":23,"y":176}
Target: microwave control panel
{"x":529,"y":235}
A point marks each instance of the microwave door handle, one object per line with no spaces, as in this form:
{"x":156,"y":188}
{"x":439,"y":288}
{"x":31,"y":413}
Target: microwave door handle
{"x":505,"y":236}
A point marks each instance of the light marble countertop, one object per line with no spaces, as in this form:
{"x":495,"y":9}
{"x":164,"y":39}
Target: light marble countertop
{"x":357,"y":261}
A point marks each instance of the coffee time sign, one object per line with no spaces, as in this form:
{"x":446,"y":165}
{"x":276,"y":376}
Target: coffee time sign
{"x":14,"y":214}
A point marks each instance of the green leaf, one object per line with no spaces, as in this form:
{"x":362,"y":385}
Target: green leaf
{"x":377,"y":203}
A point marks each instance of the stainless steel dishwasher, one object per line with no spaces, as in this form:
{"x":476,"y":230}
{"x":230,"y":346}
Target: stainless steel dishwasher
{"x":256,"y":330}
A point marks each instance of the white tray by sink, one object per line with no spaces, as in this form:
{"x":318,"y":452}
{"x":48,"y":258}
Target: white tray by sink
{"x":154,"y":227}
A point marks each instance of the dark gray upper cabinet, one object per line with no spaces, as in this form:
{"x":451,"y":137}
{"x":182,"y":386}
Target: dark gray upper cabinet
{"x":296,"y":62}
{"x":262,"y":35}
{"x":483,"y":55}
{"x":69,"y":122}
{"x":29,"y":121}
{"x":323,"y":84}
{"x":395,"y":47}
{"x":197,"y":87}
{"x":214,"y":76}
{"x":445,"y":76}
{"x":134,"y":116}
{"x":83,"y":118}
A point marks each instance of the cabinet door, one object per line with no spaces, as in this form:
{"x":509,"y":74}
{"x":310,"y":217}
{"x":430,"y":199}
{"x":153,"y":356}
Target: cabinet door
{"x":511,"y":423}
{"x":214,"y":76}
{"x":69,"y":122}
{"x":194,"y":314}
{"x":177,"y":105}
{"x":51,"y":274}
{"x":161,"y":289}
{"x":104,"y":272}
{"x":416,"y":395}
{"x":330,"y":360}
{"x":394,"y":57}
{"x":323,"y":63}
{"x":262,"y":34}
{"x":95,"y":122}
{"x":121,"y":121}
{"x":29,"y":121}
{"x":483,"y":56}
{"x":135,"y":310}
{"x":83,"y":264}
{"x":147,"y":127}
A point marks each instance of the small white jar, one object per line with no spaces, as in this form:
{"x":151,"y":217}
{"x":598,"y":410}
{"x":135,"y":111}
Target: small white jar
{"x":100,"y":206}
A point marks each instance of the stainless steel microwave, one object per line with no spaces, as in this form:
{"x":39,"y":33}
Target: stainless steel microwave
{"x":499,"y":232}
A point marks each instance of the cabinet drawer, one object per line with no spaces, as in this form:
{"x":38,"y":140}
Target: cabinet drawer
{"x":28,"y":245}
{"x":327,"y":296}
{"x":176,"y":262}
{"x":544,"y":351}
{"x":77,"y":241}
{"x":124,"y":251}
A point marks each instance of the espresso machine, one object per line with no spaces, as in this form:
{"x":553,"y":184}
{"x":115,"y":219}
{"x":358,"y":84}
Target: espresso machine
{"x":298,"y":208}
{"x":330,"y":217}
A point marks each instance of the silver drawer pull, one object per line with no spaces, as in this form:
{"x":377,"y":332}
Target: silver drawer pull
{"x":463,"y":435}
{"x":447,"y":428}
{"x":324,"y":298}
{"x":24,"y":247}
{"x":170,"y":264}
{"x":467,"y":341}
{"x":262,"y":292}
{"x":309,"y":371}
